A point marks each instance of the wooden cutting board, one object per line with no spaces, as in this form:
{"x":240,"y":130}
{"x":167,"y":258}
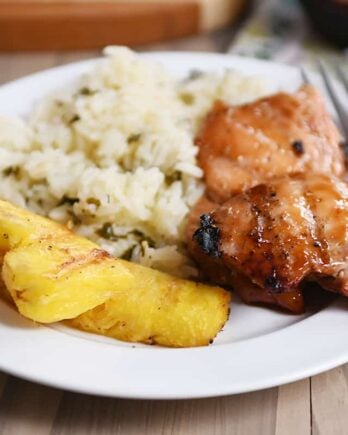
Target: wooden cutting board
{"x":80,"y":24}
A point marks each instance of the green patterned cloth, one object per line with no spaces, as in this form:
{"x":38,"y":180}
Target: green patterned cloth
{"x":279,"y":30}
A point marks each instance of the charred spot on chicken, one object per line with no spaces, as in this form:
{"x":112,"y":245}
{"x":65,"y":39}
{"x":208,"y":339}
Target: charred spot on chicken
{"x":207,"y":236}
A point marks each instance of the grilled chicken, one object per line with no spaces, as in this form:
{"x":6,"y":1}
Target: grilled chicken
{"x":240,"y":147}
{"x":212,"y":269}
{"x":276,"y":236}
{"x":263,"y":243}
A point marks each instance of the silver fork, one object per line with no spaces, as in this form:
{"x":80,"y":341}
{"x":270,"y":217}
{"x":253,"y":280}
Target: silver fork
{"x":342,"y":113}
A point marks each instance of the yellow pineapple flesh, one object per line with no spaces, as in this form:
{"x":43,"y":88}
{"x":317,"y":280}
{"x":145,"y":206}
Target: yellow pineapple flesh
{"x":160,"y":309}
{"x":53,"y":274}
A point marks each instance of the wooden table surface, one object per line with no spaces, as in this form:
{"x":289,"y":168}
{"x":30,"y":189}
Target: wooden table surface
{"x":318,"y":405}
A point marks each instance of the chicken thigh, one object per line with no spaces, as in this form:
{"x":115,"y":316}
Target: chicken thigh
{"x":240,"y":147}
{"x":212,"y":269}
{"x":275,"y":236}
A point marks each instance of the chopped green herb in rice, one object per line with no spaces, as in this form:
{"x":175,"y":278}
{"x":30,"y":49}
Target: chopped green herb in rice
{"x":114,"y":158}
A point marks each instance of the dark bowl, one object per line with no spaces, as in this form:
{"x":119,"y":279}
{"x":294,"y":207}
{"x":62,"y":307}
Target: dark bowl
{"x":330,"y":18}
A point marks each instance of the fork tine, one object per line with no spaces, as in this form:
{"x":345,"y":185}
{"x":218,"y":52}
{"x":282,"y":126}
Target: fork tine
{"x":334,"y":99}
{"x":342,"y":77}
{"x":304,"y":75}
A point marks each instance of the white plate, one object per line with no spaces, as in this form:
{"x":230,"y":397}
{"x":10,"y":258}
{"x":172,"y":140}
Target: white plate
{"x":258,"y":348}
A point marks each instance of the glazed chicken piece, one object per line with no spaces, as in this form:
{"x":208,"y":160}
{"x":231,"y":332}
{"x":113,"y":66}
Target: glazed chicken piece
{"x":213,"y":269}
{"x":240,"y":147}
{"x":279,"y":234}
{"x":284,"y":229}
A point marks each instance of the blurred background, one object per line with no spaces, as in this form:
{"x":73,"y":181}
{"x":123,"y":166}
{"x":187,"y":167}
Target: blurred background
{"x":291,"y":31}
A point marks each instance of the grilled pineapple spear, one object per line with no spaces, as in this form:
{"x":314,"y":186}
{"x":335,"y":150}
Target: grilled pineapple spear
{"x":160,"y":309}
{"x":54,"y":275}
{"x":51,"y":273}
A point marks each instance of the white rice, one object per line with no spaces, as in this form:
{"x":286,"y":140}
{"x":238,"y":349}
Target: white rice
{"x":115,"y":158}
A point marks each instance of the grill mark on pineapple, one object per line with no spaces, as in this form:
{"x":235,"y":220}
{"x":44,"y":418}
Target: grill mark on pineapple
{"x":92,"y":257}
{"x":21,"y":295}
{"x":150,"y":340}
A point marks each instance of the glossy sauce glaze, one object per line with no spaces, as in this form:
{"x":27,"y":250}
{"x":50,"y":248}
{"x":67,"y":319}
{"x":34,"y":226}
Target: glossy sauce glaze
{"x":275,"y":212}
{"x":277,"y":236}
{"x":240,"y":147}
